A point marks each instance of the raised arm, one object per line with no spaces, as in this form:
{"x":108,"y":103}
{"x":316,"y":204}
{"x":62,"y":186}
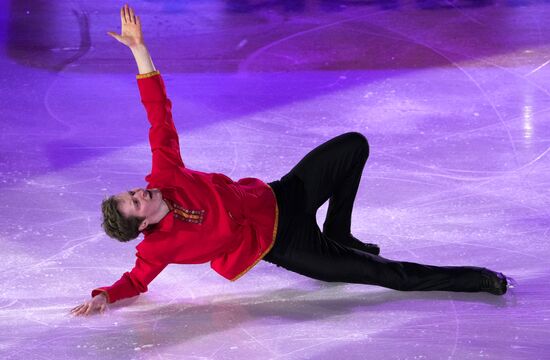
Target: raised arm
{"x":132,"y":36}
{"x":163,"y":136}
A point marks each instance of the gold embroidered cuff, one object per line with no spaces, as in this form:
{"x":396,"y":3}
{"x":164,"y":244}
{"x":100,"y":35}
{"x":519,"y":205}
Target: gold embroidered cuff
{"x":149,"y":74}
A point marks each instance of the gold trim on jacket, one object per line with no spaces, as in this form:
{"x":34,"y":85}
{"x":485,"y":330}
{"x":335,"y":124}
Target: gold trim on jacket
{"x":272,"y":242}
{"x":146,"y":75}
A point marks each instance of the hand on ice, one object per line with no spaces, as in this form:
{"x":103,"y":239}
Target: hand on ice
{"x":97,"y":303}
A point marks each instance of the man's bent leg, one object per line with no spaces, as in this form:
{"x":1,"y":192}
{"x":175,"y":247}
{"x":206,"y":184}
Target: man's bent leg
{"x":333,"y":170}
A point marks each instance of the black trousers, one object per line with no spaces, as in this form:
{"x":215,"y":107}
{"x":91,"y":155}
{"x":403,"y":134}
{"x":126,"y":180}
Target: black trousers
{"x":333,"y":171}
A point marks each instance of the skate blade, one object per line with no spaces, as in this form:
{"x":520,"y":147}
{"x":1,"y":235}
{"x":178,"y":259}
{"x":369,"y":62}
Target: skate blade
{"x":511,"y":282}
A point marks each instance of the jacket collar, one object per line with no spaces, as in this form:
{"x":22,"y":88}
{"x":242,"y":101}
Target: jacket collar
{"x":167,"y":222}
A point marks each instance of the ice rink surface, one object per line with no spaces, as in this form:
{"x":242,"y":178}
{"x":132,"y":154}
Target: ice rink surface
{"x":454,"y":97}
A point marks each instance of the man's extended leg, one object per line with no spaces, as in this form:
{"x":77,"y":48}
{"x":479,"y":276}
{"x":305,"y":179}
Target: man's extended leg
{"x":309,"y":252}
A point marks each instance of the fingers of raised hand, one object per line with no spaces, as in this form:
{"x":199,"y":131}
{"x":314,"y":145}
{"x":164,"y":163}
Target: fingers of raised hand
{"x":116,"y":36}
{"x":127,"y":15}
{"x":132,"y":15}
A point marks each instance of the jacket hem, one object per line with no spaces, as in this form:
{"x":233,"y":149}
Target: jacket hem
{"x":272,"y":241}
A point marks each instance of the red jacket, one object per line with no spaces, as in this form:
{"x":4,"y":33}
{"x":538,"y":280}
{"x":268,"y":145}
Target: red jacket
{"x":231,"y":224}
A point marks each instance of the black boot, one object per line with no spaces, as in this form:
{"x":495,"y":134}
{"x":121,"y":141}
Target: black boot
{"x":354,"y":243}
{"x":493,"y":282}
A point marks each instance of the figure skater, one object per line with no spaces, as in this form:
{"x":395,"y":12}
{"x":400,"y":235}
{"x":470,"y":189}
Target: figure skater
{"x":193,"y":217}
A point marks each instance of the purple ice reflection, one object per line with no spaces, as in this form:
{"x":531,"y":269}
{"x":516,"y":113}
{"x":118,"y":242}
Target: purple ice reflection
{"x":453,"y":96}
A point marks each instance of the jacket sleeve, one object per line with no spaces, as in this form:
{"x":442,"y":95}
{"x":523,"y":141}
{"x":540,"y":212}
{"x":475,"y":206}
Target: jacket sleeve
{"x":134,"y":282}
{"x":163,"y":136}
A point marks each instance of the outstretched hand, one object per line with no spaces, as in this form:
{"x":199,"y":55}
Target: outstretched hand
{"x":130,"y":34}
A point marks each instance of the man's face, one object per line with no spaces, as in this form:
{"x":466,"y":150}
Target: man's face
{"x":140,"y":203}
